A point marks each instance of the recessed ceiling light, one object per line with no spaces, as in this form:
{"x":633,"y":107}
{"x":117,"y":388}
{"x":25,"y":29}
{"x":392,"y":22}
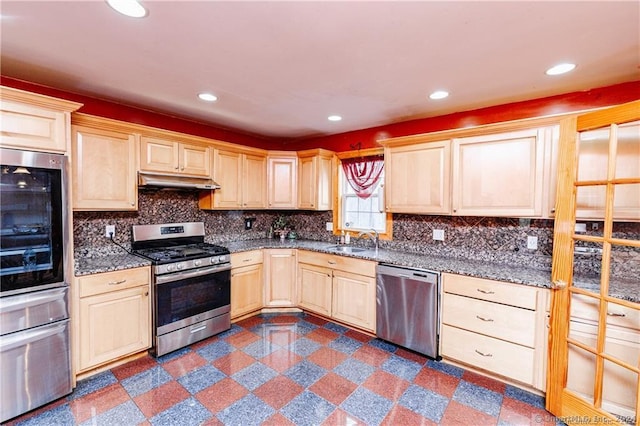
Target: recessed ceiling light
{"x":560,"y":69}
{"x":439,"y":94}
{"x":130,"y":8}
{"x":334,"y":118}
{"x":208,"y":97}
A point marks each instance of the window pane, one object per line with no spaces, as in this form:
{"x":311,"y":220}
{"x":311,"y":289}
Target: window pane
{"x":361,"y":213}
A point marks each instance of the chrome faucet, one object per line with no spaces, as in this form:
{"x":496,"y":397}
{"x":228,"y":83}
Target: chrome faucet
{"x":373,"y":236}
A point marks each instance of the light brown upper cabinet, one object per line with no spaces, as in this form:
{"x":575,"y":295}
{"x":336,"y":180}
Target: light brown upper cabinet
{"x":315,"y":172}
{"x":104,"y":169}
{"x":34,"y":122}
{"x":418,"y":178}
{"x":499,"y":174}
{"x":282,"y":180}
{"x":242,"y":177}
{"x":167,"y":156}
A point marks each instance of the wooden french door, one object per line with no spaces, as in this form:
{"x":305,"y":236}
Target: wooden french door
{"x":594,"y":342}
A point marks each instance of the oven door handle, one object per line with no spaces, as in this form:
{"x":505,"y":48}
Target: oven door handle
{"x":176,"y":276}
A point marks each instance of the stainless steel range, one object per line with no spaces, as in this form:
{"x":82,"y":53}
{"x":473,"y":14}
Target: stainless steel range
{"x":191,"y":283}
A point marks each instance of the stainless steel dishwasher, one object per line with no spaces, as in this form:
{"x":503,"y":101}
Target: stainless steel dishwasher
{"x":408,"y":307}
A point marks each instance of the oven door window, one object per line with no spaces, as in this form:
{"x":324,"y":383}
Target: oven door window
{"x":31,"y":240}
{"x":182,"y":299}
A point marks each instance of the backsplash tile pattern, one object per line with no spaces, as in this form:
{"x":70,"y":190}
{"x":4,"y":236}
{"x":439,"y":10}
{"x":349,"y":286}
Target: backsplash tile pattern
{"x":502,"y":240}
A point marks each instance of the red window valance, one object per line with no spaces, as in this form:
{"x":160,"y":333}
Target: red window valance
{"x":363,"y":174}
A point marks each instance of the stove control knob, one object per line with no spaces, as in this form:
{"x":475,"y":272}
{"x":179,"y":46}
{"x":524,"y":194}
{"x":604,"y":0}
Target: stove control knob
{"x":214,"y":260}
{"x":170,"y":268}
{"x":179,"y":266}
{"x":197,"y":262}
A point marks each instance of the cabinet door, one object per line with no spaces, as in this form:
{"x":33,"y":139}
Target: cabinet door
{"x":280,"y":278}
{"x":307,"y":182}
{"x":246,"y":290}
{"x":104,"y":170}
{"x":227,"y":171}
{"x":282,"y":182}
{"x":354,"y":299}
{"x":194,"y":159}
{"x":113,"y":325}
{"x":30,"y":127}
{"x":158,"y":155}
{"x":417,"y":178}
{"x":254,"y":182}
{"x":499,"y":175}
{"x":314,"y":288}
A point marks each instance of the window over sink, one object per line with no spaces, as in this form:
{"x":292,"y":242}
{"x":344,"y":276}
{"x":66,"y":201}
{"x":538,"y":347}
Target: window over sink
{"x":361,"y":196}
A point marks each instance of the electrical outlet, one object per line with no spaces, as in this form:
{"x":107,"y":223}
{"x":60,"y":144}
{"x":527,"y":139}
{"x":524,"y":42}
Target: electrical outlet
{"x":248,"y":223}
{"x":329,"y":226}
{"x":110,"y":231}
{"x":438,"y":234}
{"x":532,"y":242}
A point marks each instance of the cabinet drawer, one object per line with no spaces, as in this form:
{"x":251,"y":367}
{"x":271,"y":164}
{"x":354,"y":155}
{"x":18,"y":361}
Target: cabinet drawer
{"x":111,"y":281}
{"x":586,"y":308}
{"x":245,"y":258}
{"x":341,"y":263}
{"x":492,"y":319}
{"x":492,"y":291}
{"x":500,"y":357}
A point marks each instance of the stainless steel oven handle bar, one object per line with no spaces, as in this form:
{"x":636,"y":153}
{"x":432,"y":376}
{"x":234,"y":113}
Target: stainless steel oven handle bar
{"x":176,"y":276}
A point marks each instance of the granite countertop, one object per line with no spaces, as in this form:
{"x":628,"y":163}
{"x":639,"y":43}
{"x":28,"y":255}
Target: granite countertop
{"x":107,"y":263}
{"x":626,"y":289}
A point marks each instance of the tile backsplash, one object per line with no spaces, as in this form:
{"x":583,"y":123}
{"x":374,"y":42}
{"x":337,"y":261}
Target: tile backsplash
{"x":502,"y":240}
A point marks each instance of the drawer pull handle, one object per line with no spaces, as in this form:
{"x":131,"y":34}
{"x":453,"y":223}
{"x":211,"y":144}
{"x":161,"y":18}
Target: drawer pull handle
{"x":616,"y":314}
{"x":485,"y":291}
{"x":117,"y":282}
{"x":331,"y":262}
{"x":247,"y":260}
{"x":195,"y":330}
{"x":484,"y":319}
{"x":480,"y":353}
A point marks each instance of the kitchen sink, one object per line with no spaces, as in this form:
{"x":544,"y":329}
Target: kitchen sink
{"x":346,"y":249}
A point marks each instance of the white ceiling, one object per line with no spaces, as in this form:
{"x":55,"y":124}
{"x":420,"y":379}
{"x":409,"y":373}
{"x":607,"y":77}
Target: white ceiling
{"x":280,"y":68}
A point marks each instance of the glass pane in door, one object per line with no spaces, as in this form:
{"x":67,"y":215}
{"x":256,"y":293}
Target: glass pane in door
{"x":587,"y":264}
{"x":593,"y":154}
{"x":590,"y":202}
{"x":619,"y":391}
{"x":582,"y":367}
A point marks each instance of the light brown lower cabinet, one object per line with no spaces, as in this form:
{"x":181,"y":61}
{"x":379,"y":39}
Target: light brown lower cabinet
{"x":338,"y":287}
{"x":246,"y":282}
{"x":280,"y":278}
{"x":496,"y":327}
{"x":114,"y":316}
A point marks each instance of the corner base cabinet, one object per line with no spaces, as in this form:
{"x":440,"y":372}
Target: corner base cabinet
{"x":495,"y":327}
{"x":114,"y":316}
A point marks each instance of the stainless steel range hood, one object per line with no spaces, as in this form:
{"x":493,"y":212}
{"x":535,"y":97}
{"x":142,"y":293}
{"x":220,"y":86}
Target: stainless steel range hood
{"x":164,"y":181}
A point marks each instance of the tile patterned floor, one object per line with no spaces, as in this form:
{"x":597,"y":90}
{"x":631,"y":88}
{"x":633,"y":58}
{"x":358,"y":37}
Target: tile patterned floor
{"x":291,"y":370}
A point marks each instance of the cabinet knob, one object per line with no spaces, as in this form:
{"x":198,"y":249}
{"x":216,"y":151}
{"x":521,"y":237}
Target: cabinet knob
{"x":146,"y":293}
{"x":176,"y":167}
{"x":553,"y":210}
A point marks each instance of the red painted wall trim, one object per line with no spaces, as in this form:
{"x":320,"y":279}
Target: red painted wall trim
{"x":569,"y":102}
